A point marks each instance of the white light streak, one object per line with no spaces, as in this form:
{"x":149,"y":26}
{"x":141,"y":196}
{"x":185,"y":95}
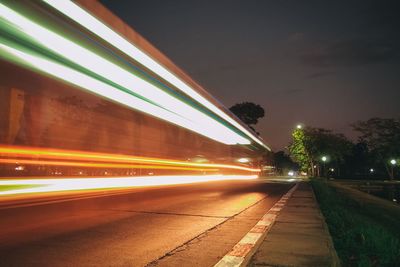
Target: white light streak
{"x":97,"y":27}
{"x":95,"y":86}
{"x":202,"y":123}
{"x":70,"y":184}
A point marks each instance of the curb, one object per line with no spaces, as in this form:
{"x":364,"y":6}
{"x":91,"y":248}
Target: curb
{"x":242,"y":252}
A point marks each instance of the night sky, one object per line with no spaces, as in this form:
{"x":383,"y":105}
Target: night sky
{"x":323,"y":64}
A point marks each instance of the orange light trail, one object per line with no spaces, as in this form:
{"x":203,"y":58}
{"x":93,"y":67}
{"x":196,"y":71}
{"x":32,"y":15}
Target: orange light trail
{"x":65,"y":157}
{"x":97,"y":165}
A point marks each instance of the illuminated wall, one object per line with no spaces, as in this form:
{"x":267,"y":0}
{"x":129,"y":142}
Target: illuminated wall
{"x":76,"y":78}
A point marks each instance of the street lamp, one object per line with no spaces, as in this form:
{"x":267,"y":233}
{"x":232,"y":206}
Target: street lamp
{"x":299,"y":126}
{"x":324,"y":158}
{"x":393,"y":162}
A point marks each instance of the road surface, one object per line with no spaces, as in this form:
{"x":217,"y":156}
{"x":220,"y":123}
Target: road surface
{"x":186,"y":225}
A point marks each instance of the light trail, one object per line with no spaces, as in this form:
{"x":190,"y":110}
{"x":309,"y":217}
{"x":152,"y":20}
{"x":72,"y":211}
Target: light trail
{"x":189,"y":117}
{"x":89,"y":83}
{"x":19,"y":153}
{"x":94,"y":25}
{"x":74,"y":184}
{"x":98,"y":165}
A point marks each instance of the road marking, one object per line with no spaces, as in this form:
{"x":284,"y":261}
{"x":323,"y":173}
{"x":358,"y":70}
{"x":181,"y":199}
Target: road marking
{"x":250,"y":238}
{"x":228,"y":260}
{"x":237,"y":256}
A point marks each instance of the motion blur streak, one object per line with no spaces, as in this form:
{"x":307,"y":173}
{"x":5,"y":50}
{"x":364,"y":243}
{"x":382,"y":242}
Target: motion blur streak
{"x":108,"y":160}
{"x":93,"y":85}
{"x":91,"y":23}
{"x":69,"y":184}
{"x":85,"y":58}
{"x":98,"y":165}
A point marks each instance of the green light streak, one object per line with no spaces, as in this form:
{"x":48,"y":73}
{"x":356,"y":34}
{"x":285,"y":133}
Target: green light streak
{"x":32,"y":45}
{"x":20,"y":41}
{"x":4,"y":188}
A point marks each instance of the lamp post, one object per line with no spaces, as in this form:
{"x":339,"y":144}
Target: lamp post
{"x":324,"y":158}
{"x":393,"y":163}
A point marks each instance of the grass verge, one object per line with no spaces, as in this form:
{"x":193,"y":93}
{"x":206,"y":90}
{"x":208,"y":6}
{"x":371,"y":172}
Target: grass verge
{"x":360,"y":238}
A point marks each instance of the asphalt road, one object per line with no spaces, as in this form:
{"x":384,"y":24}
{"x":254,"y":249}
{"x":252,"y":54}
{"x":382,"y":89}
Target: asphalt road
{"x":187,"y":225}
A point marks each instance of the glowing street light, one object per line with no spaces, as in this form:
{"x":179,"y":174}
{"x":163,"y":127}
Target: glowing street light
{"x":393,"y":162}
{"x":324,"y":159}
{"x":371,"y":170}
{"x":299,"y":126}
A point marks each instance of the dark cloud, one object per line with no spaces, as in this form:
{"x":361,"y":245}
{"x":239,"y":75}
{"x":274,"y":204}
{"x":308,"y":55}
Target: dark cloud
{"x":352,"y":53}
{"x":371,"y":37}
{"x":383,"y":18}
{"x":285,"y":92}
{"x":319,"y":74}
{"x":297,"y":36}
{"x":294,"y":91}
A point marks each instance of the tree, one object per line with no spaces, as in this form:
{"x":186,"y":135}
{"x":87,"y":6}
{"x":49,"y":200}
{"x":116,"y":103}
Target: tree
{"x":299,"y":150}
{"x":310,"y":144}
{"x":358,"y":163}
{"x":382,"y":137}
{"x":248,"y":112}
{"x":284,"y":163}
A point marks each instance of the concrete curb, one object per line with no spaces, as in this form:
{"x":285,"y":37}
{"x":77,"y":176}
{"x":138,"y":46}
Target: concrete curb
{"x":242,"y":252}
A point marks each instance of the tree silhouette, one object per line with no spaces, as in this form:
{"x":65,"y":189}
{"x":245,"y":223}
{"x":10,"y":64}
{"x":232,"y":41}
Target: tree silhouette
{"x":248,"y":112}
{"x":382,"y":137}
{"x":284,"y":163}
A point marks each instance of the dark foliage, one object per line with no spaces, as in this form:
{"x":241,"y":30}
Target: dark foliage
{"x":248,"y":112}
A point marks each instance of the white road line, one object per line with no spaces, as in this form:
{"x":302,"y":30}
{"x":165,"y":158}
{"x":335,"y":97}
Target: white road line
{"x":250,"y":238}
{"x":229,"y":261}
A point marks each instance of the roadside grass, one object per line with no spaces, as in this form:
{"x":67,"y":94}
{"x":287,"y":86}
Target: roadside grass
{"x":359,"y":236}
